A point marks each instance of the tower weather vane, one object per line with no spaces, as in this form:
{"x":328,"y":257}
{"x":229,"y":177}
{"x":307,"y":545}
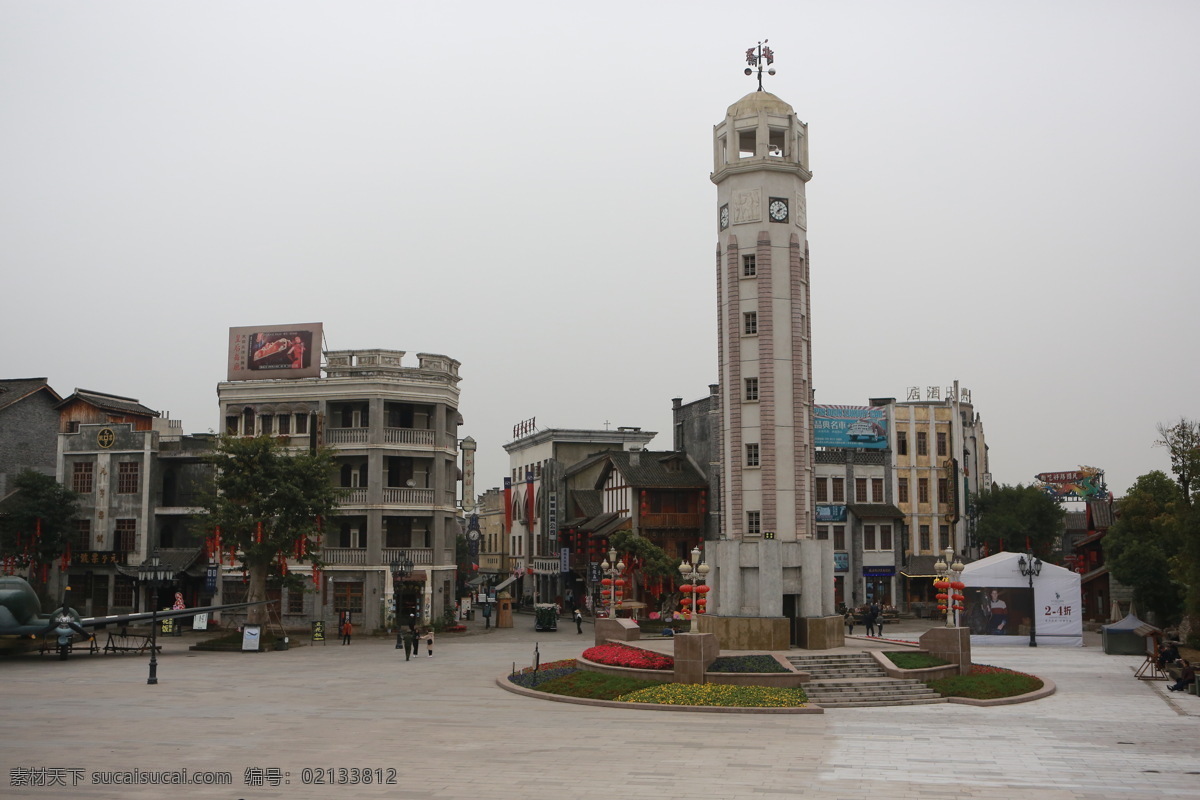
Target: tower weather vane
{"x":757,"y":57}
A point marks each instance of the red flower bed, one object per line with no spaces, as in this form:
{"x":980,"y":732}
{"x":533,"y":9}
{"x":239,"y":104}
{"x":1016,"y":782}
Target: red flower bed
{"x":620,"y":655}
{"x":984,"y":669}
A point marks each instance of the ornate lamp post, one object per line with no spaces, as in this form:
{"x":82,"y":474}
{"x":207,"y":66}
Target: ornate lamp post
{"x":694,"y":574}
{"x":1031,"y":567}
{"x":950,"y":597}
{"x":613,"y":569}
{"x":153,"y":575}
{"x":401,"y":566}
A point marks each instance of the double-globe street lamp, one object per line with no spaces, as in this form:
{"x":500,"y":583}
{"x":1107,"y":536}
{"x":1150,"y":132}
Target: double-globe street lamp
{"x":694,"y":573}
{"x":612,"y":568}
{"x":949,"y":587}
{"x":401,"y":565}
{"x":1031,"y":567}
{"x":153,"y":575}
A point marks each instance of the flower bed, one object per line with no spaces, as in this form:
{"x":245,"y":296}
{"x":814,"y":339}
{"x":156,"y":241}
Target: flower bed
{"x":718,"y":695}
{"x":621,"y":655}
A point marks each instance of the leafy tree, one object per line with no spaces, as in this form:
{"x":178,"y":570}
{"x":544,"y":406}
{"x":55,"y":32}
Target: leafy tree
{"x":36,"y":522}
{"x":1013,"y":514}
{"x":268,"y":505}
{"x":1182,"y":441}
{"x":1142,"y":548}
{"x":653,"y":562}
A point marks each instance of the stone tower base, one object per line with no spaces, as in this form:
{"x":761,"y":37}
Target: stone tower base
{"x":747,"y":633}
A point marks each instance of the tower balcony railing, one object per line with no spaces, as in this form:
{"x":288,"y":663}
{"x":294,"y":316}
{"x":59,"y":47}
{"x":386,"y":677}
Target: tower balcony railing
{"x":420,"y":438}
{"x":392,"y":496}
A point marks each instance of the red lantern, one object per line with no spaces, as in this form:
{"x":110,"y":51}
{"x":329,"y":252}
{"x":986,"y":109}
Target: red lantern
{"x":606,"y":582}
{"x":620,"y":581}
{"x":703,"y":589}
{"x":958,"y":585}
{"x":942,"y":596}
{"x":686,"y":588}
{"x":685,"y":602}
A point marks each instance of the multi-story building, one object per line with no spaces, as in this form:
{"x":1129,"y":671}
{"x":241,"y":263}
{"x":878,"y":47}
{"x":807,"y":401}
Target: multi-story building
{"x":28,"y":423}
{"x":535,"y":492}
{"x":493,"y":543}
{"x":393,"y":429}
{"x":941,"y":463}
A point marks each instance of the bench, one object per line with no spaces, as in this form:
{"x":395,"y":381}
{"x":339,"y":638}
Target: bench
{"x":128,"y":643}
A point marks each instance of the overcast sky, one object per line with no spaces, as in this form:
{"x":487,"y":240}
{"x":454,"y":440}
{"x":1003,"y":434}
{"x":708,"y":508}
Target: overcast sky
{"x":1003,"y":194}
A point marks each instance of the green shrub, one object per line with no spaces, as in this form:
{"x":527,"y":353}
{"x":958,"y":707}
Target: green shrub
{"x":905,"y":660}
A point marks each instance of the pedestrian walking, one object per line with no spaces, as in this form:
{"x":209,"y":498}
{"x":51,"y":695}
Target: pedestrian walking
{"x":487,"y":616}
{"x":429,"y":642}
{"x":347,"y":630}
{"x":849,"y":617}
{"x":578,"y":621}
{"x":410,"y":644}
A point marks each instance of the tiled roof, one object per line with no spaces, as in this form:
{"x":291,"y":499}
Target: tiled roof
{"x":1101,"y":514}
{"x":13,"y":390}
{"x":646,"y":469}
{"x":111,"y":402}
{"x":864,"y":510}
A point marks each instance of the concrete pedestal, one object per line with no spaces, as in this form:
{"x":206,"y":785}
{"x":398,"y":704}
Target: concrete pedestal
{"x":820,"y":633}
{"x":949,"y":644}
{"x":747,"y":633}
{"x":619,"y":629}
{"x":694,"y":652}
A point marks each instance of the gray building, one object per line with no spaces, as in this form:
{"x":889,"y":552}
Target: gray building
{"x":28,"y":425}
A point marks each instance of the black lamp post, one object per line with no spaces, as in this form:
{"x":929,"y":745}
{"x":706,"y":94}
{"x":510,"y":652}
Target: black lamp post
{"x":401,"y":565}
{"x":1031,"y":567}
{"x":153,"y":575}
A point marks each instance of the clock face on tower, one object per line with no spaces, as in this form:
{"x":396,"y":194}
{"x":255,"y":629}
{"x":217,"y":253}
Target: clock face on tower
{"x":725,"y":216}
{"x":777,"y":207}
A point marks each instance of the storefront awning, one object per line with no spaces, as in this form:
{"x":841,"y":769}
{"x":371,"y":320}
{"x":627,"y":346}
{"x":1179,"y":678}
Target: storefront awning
{"x":176,"y":560}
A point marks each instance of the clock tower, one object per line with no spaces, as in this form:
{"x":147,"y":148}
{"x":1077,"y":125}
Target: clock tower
{"x":766,"y":550}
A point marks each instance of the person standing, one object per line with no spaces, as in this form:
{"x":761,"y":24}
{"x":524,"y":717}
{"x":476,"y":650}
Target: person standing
{"x":578,"y":621}
{"x":487,"y":616}
{"x":347,"y":630}
{"x":410,"y":643}
{"x":429,"y":642}
{"x":849,"y":617}
{"x":414,"y":634}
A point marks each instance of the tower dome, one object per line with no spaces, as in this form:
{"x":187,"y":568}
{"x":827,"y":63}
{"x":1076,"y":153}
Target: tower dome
{"x":759,"y":101}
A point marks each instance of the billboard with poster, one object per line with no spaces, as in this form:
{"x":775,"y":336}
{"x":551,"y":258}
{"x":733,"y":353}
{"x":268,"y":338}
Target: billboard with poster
{"x":859,"y":427}
{"x":275,"y":351}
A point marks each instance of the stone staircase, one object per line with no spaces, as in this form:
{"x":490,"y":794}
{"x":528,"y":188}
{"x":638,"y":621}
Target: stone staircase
{"x":855,"y":680}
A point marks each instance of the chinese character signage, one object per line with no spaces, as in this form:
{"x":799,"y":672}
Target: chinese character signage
{"x":280,"y":351}
{"x":859,"y":427}
{"x":830,"y":513}
{"x":1085,"y":483}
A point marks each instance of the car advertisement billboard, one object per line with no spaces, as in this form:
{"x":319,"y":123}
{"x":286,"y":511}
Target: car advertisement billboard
{"x":275,"y":351}
{"x":859,"y":427}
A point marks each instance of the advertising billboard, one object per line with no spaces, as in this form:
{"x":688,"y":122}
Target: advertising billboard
{"x":275,"y":351}
{"x":1085,"y":483}
{"x":859,"y":427}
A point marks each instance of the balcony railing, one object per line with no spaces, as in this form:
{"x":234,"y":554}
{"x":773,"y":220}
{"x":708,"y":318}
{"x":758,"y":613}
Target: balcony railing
{"x":355,"y":556}
{"x":406,"y":437}
{"x":404,"y":496}
{"x":346,"y":435}
{"x":421,"y":556}
{"x":672,"y":520}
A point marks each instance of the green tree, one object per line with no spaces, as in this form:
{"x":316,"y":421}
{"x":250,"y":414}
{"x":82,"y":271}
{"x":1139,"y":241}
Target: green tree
{"x":1142,"y":548}
{"x":36,"y":522}
{"x":1182,"y":441}
{"x":1012,"y":515}
{"x":653,"y":563}
{"x":269,"y":504}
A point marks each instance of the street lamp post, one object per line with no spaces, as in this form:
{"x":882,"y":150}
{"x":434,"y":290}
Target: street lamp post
{"x":949,"y":569}
{"x":694,"y":574}
{"x":153,"y":575}
{"x":1031,"y":567}
{"x":401,"y":565}
{"x":613,"y":569}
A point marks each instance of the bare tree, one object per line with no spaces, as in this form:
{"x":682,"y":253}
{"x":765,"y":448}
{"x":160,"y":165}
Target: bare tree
{"x":1182,"y":440}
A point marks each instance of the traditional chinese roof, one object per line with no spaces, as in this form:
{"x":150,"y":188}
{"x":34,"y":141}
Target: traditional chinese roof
{"x":644,"y":469}
{"x":875,"y":510}
{"x":14,"y":390}
{"x":110,"y":402}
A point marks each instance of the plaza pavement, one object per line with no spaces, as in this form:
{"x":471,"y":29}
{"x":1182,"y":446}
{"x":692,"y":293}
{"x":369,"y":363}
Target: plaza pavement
{"x":451,"y":734}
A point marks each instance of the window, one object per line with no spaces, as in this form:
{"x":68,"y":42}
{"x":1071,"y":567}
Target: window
{"x":822,"y":487}
{"x":926,"y":545}
{"x":868,"y":537}
{"x":127,"y":477}
{"x":943,"y":536}
{"x":81,"y":477}
{"x":749,"y":266}
{"x":284,"y":422}
{"x":860,"y":490}
{"x":302,"y":423}
{"x":839,"y":490}
{"x":266,"y":422}
{"x":753,"y":523}
{"x":83,"y":535}
{"x":752,"y":455}
{"x":751,"y":388}
{"x":126,"y":535}
{"x":922,"y":443}
{"x":902,"y":490}
{"x":295,"y":596}
{"x":876,"y":490}
{"x":839,"y":537}
{"x":233,"y":591}
{"x":943,"y":491}
{"x":902,"y":443}
{"x":123,"y":591}
{"x":750,"y":323}
{"x":885,"y":537}
{"x":231,"y":425}
{"x":942,"y":445}
{"x":822,"y":532}
{"x":923,"y":490}
{"x":348,"y":596}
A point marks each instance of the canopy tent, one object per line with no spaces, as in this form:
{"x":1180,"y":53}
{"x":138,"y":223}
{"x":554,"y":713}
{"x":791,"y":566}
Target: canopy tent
{"x":1129,"y":637}
{"x":1000,"y":607}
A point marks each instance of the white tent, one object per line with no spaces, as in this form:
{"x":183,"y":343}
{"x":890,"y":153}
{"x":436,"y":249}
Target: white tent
{"x":1056,"y":604}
